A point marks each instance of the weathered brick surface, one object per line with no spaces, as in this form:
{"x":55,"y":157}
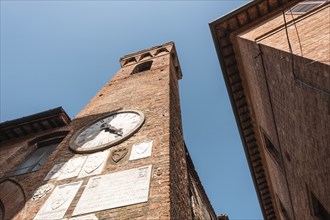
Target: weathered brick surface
{"x":155,"y":93}
{"x":178,"y":166}
{"x":309,"y":35}
{"x":291,"y":105}
{"x":14,"y":152}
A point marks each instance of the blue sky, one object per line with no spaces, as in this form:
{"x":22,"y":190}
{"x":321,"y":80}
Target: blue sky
{"x":60,"y":53}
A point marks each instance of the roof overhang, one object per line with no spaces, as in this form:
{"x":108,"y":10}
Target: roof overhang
{"x":42,"y":121}
{"x":223,"y":29}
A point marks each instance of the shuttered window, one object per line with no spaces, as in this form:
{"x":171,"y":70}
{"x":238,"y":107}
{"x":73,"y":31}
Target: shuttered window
{"x":43,"y":148}
{"x":305,"y":6}
{"x":35,"y":160}
{"x":273,"y":151}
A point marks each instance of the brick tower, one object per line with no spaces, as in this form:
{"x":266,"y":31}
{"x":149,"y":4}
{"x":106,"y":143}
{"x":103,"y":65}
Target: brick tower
{"x":124,"y":156}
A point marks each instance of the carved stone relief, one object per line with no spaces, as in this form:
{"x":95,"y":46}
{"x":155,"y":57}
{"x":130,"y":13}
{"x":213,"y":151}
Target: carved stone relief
{"x":94,"y":164}
{"x":118,"y":154}
{"x":59,"y":201}
{"x":55,"y":172}
{"x":42,"y":191}
{"x":72,"y":167}
{"x":141,"y":150}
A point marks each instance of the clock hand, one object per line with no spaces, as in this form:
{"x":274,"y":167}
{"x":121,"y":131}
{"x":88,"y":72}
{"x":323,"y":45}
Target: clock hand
{"x":119,"y":132}
{"x":111,"y":129}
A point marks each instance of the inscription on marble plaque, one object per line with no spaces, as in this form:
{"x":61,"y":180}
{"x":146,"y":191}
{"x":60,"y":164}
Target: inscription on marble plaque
{"x":72,"y":167}
{"x":59,"y":201}
{"x":55,"y":171}
{"x":115,"y":190}
{"x":141,"y":150}
{"x":94,"y":164}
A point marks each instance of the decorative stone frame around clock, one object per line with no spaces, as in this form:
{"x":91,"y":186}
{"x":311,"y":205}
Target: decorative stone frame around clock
{"x":77,"y":148}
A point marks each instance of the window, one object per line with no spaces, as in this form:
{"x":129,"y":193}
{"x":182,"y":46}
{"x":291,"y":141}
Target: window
{"x":272,"y":149}
{"x":130,"y":61}
{"x":161,"y":51}
{"x":142,"y":67}
{"x":44,"y":146}
{"x":318,"y":209}
{"x":305,"y":6}
{"x":145,"y":56}
{"x":35,"y":160}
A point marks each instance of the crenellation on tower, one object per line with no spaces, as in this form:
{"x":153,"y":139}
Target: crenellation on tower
{"x":152,"y":53}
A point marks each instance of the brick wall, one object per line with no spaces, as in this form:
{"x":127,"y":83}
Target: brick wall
{"x":15,"y":151}
{"x":291,"y":105}
{"x":282,"y":95}
{"x":180,"y":207}
{"x":308,"y":34}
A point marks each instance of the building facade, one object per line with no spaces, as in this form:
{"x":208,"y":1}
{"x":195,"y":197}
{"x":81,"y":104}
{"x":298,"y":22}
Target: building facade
{"x":275,"y":58}
{"x":122,"y":157}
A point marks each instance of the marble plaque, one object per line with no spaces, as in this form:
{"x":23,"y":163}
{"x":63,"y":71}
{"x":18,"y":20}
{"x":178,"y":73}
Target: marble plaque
{"x":85,"y":217}
{"x":141,"y":150}
{"x":59,"y":201}
{"x":42,"y":191}
{"x":115,"y":190}
{"x":72,"y":167}
{"x":55,"y":172}
{"x":94,"y":164}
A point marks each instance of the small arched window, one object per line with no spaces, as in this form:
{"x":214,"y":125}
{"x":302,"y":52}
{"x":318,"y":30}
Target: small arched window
{"x":44,"y":146}
{"x":145,"y":56}
{"x":161,"y":51}
{"x":142,"y":67}
{"x":130,"y":61}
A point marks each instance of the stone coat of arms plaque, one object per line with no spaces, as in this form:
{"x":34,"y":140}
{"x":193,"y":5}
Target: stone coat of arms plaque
{"x":118,"y":154}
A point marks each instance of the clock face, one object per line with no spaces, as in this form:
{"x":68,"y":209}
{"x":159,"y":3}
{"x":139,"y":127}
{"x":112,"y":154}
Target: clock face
{"x":107,"y":131}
